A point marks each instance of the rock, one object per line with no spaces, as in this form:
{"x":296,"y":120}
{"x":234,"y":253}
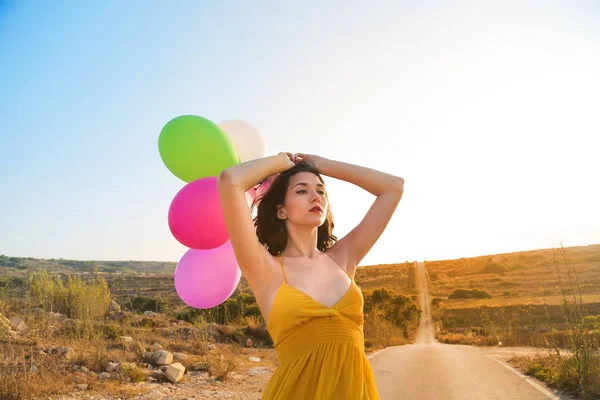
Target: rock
{"x":212,"y":330}
{"x":114,"y":306}
{"x":158,"y":375}
{"x":18,"y":325}
{"x":157,"y":346}
{"x":210,"y":346}
{"x":149,"y":314}
{"x":128,"y":343}
{"x":63,"y":319}
{"x":254,"y":359}
{"x":175,"y":372}
{"x":179,"y":357}
{"x":248,"y":342}
{"x":127,"y":339}
{"x":160,"y":357}
{"x":57,"y":316}
{"x":82,"y":386}
{"x":84,"y":370}
{"x":38,"y":351}
{"x":65,"y":352}
{"x":103,"y":376}
{"x":235,"y":376}
{"x":258,"y":371}
{"x":112,"y":367}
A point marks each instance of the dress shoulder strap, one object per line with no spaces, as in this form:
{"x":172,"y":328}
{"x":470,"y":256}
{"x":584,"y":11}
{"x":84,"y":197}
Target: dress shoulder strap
{"x":283,"y":268}
{"x":339,"y":265}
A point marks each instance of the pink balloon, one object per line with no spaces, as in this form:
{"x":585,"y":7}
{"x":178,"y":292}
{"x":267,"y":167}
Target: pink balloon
{"x":195,"y":215}
{"x":206,"y":278}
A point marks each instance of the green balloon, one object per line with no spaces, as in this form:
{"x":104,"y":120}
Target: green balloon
{"x":193,"y":147}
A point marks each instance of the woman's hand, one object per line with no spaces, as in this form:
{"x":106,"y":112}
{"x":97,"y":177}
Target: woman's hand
{"x":289,"y":158}
{"x":311,"y":158}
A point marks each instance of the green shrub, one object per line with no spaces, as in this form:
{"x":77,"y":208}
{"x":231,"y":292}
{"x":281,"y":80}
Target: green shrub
{"x":493,"y":269}
{"x":143,"y":303}
{"x":85,"y":300}
{"x":435,"y":302}
{"x":149,"y":323}
{"x":111,"y":332}
{"x":132,"y":372}
{"x":470,"y":294}
{"x":252,"y":311}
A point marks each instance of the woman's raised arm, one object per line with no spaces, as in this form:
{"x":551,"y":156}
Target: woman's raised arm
{"x":232,"y":185}
{"x":388,"y":189}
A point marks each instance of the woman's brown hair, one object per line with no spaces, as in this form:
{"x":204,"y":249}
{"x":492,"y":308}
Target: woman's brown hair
{"x":271,"y":231}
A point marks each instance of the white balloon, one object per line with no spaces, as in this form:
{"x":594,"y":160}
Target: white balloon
{"x":248,"y":143}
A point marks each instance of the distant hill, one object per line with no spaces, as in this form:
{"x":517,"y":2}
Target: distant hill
{"x":15,"y":266}
{"x":522,"y":277}
{"x":513,"y":278}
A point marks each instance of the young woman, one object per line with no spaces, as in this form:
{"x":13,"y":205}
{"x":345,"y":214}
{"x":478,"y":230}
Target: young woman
{"x":301,"y":275}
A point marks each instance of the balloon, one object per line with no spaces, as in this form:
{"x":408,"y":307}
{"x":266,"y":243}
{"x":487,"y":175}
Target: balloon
{"x":195,"y":215}
{"x":248,"y":143}
{"x":206,"y":278}
{"x":193,"y":147}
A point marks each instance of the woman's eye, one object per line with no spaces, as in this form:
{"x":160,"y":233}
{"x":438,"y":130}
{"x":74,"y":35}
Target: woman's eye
{"x":304,"y":191}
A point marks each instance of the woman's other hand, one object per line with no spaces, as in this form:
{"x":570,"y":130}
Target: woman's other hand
{"x":311,"y":158}
{"x":289,"y":159}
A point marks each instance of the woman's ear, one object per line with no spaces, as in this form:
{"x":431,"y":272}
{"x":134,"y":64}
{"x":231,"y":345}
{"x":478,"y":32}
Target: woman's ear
{"x":281,"y":214}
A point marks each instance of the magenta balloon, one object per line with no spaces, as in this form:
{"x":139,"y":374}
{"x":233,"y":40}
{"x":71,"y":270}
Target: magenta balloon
{"x":206,"y":278}
{"x":195,"y":215}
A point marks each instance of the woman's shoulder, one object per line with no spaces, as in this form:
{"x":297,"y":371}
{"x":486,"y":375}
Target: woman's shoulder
{"x":339,"y":254}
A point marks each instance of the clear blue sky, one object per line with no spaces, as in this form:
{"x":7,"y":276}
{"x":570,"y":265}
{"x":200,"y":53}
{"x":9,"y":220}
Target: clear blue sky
{"x":490,"y":113}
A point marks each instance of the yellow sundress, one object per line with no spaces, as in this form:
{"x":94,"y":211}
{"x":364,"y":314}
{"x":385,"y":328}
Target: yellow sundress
{"x":321,"y":349}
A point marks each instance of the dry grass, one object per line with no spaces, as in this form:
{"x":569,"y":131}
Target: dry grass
{"x":380,"y":334}
{"x":54,"y":375}
{"x":527,"y":301}
{"x":560,"y":372}
{"x":29,"y":375}
{"x":519,"y":278}
{"x":570,"y":320}
{"x":524,"y":309}
{"x":590,"y":298}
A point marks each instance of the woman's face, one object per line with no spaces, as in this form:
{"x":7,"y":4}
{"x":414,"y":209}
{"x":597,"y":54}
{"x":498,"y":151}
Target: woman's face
{"x":305,"y":195}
